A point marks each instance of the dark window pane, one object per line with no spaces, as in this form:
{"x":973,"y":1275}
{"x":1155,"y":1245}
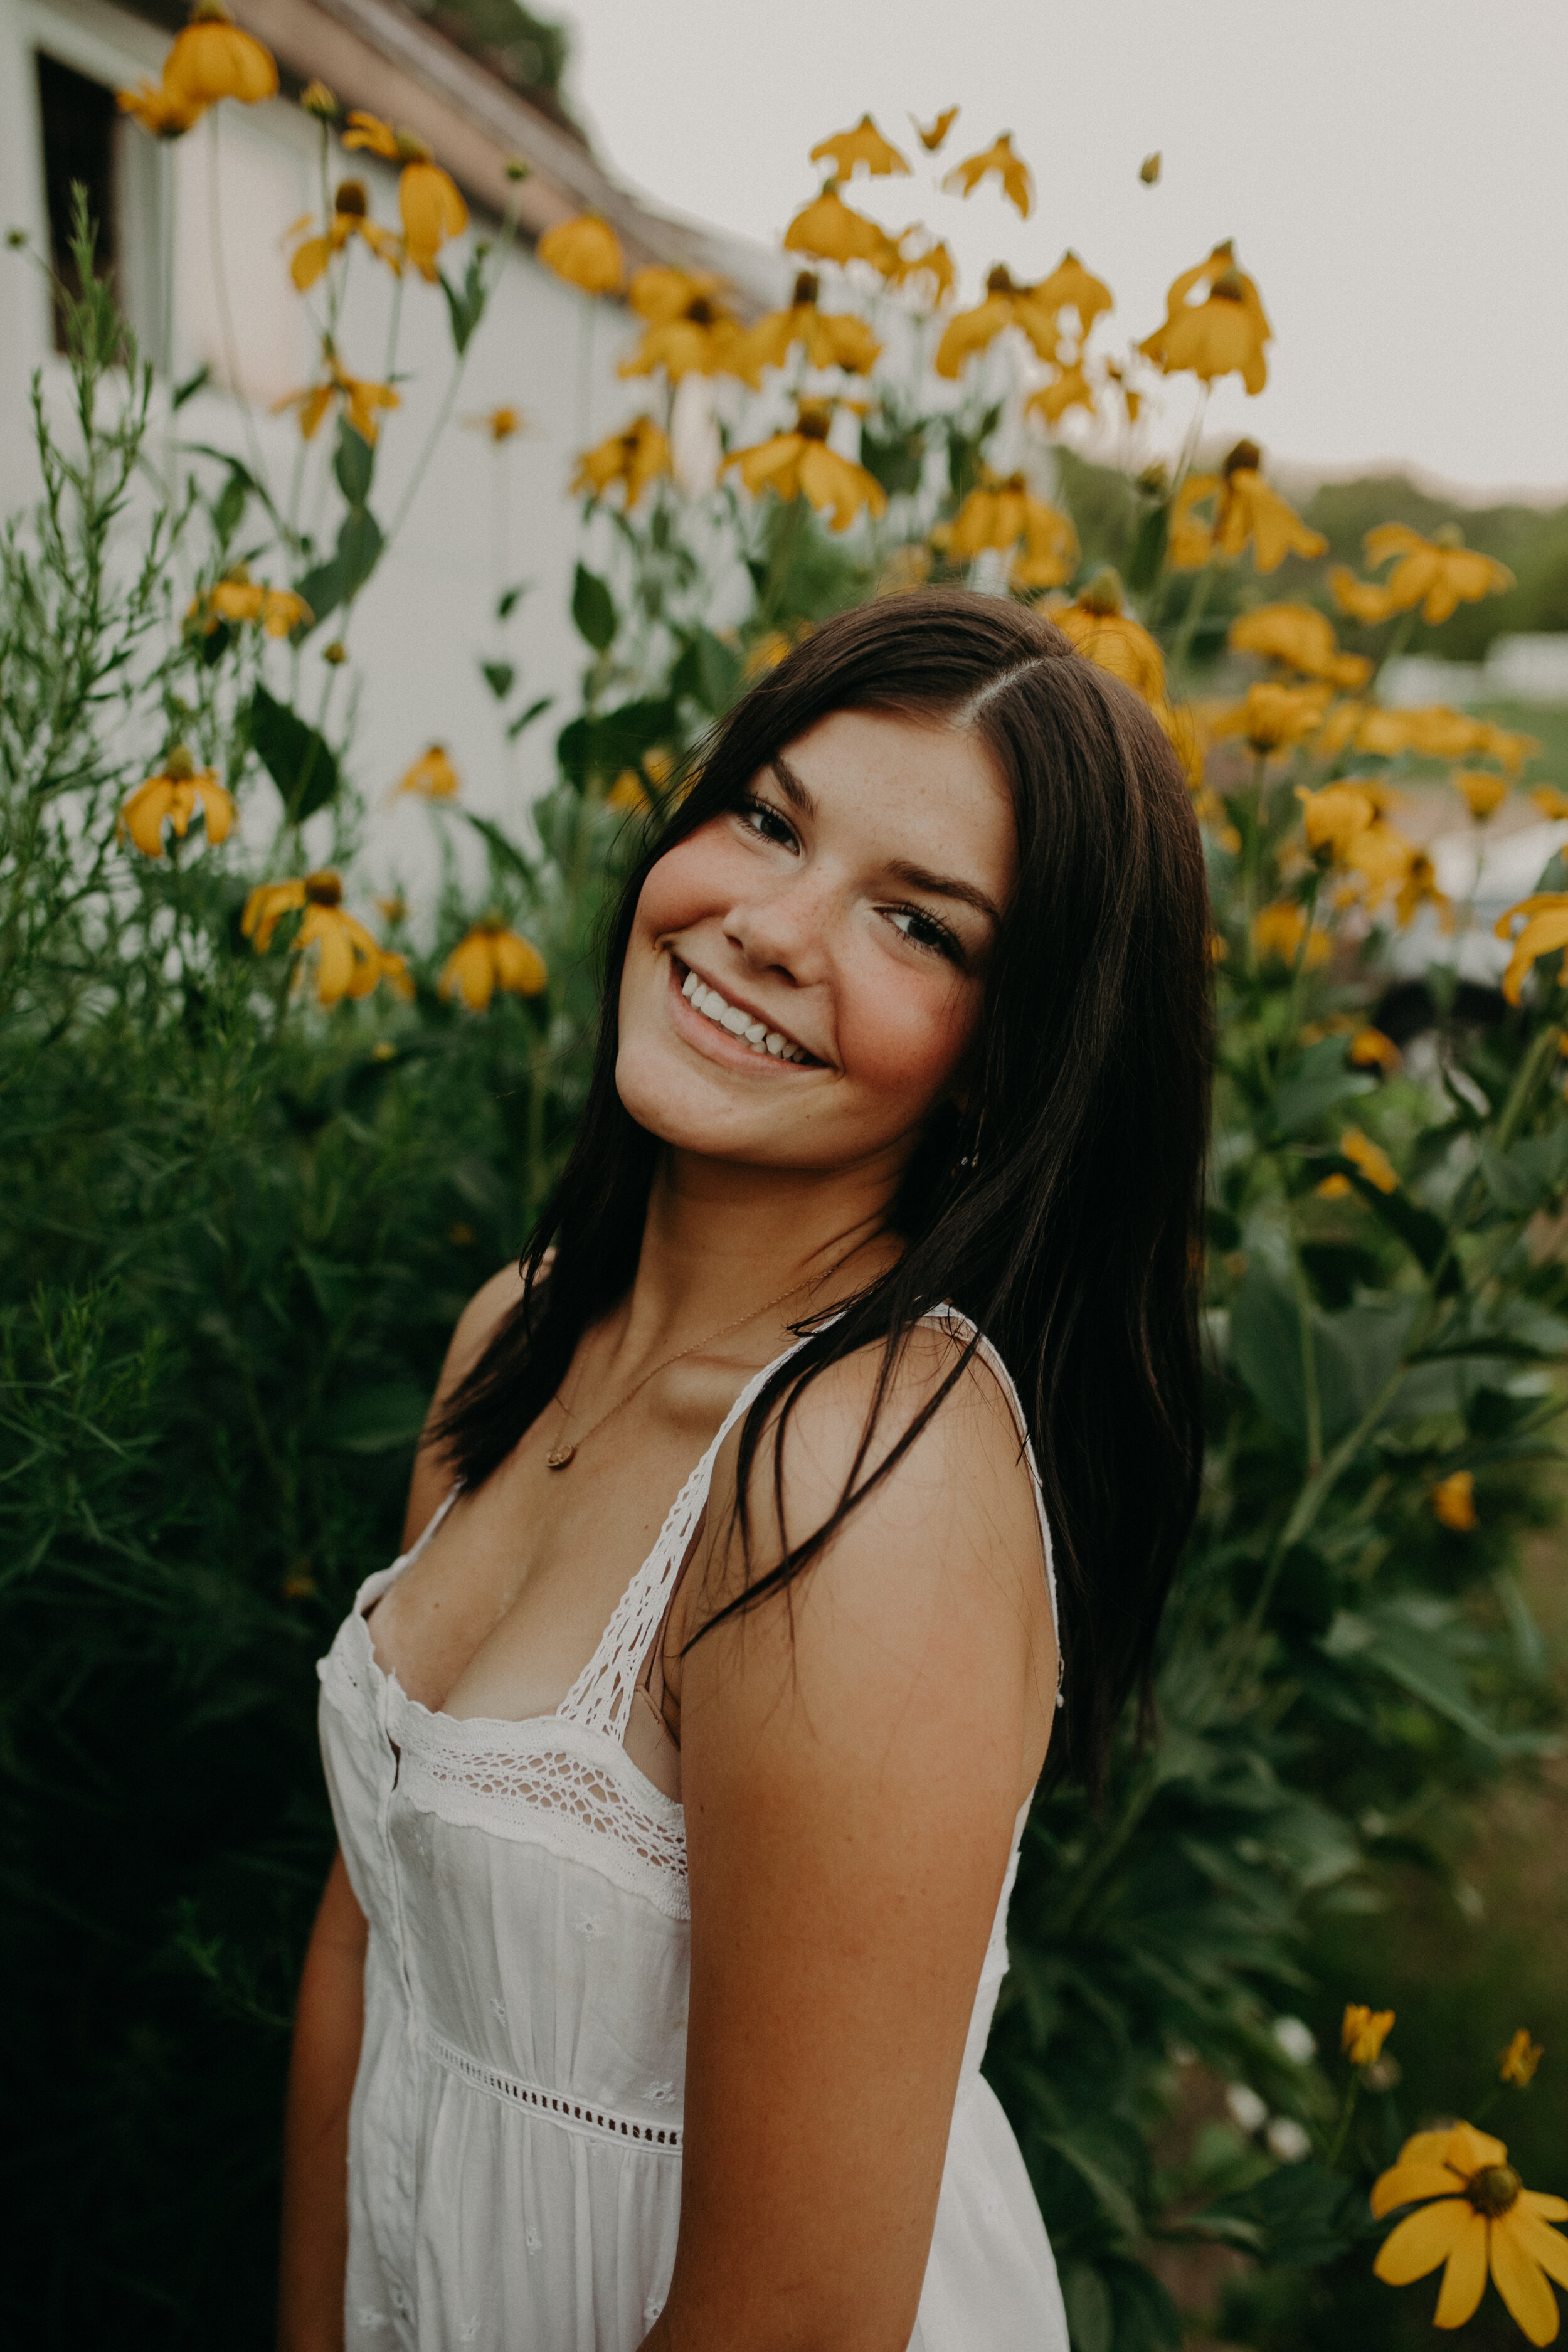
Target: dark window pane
{"x":79,"y":120}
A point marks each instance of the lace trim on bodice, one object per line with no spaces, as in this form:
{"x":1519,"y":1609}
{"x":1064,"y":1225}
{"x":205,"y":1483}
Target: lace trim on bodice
{"x":565,"y":1781}
{"x":553,"y":1782}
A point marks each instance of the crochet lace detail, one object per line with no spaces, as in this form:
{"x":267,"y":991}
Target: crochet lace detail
{"x":581,"y":2115}
{"x":552,"y":1783}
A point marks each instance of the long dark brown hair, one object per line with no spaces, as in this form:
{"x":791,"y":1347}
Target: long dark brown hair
{"x":1071,"y":1241}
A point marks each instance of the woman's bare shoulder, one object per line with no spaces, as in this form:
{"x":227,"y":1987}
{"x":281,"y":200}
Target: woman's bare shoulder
{"x":956,"y":1513}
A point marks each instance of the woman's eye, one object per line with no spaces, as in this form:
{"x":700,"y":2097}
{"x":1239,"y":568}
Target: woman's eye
{"x":925,"y":931}
{"x":769,"y":824}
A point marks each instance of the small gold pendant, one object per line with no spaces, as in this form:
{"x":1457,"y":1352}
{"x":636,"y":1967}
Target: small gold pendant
{"x":559,"y":1458}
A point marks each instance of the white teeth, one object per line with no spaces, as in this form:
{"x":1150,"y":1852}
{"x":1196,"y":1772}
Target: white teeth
{"x":743,"y":1026}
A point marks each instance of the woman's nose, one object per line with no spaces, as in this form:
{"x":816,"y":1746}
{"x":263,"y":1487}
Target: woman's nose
{"x":785,"y":927}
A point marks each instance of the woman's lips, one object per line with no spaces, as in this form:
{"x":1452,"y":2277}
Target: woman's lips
{"x":721,"y":1043}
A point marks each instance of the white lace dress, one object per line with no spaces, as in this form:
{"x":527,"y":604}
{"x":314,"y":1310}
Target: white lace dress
{"x":514,"y":2143}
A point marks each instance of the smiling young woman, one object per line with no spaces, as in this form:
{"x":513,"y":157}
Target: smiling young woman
{"x":648,"y":1995}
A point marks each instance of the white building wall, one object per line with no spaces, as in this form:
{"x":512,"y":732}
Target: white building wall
{"x":483,"y":516}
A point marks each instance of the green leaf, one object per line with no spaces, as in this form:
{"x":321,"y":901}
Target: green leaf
{"x":465,"y":305}
{"x":358,"y":548}
{"x":229,"y":506}
{"x":1090,"y":2325}
{"x":1318,"y":1081}
{"x":298,"y":759}
{"x":1304,"y":2215}
{"x":323,"y":588}
{"x":189,"y":389}
{"x":526,"y":717}
{"x":897,"y":460}
{"x":708,"y":672}
{"x":502,"y":849}
{"x":500,"y":677}
{"x":507,"y":600}
{"x":1515,"y":1185}
{"x":377,"y":1418}
{"x":1266,"y":1348}
{"x":1404,"y":1639}
{"x":613,"y":740}
{"x":1108,"y":2192}
{"x":353,"y":465}
{"x":594,"y":610}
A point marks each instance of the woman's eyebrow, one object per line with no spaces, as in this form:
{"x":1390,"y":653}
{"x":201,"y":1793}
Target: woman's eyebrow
{"x":914,"y":878}
{"x":789,"y":783}
{"x":946,"y":886}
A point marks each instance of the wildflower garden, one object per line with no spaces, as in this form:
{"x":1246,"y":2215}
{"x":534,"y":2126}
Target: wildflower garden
{"x":263,"y":1134}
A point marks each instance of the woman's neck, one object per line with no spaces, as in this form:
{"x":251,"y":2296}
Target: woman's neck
{"x":722,"y":1242}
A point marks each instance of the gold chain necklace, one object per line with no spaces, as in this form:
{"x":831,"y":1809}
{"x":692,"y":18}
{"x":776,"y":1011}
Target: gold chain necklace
{"x":561,"y":1455}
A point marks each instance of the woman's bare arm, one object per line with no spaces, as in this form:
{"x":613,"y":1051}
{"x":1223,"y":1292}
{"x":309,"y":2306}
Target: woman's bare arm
{"x":850,"y":1780}
{"x":329,"y":2021}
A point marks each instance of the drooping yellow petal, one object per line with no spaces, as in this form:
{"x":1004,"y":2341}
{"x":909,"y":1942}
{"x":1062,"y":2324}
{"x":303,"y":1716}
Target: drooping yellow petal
{"x":1483,"y":793}
{"x":1279,"y":932}
{"x":1454,"y":1502}
{"x":1410,"y":2184}
{"x":1226,"y":332}
{"x":1010,"y":169}
{"x":432,"y":775}
{"x":1364,"y":600}
{"x":265,"y":909}
{"x":930,"y":135}
{"x":1370,"y":1157}
{"x":212,"y":59}
{"x":1465,"y":2279}
{"x":1423,"y":2240}
{"x":470,"y":971}
{"x":1297,"y":634}
{"x":1333,"y":816}
{"x":218,"y":811}
{"x":1518,"y":2064}
{"x":634,"y":457}
{"x":1068,"y":388}
{"x":830,"y":230}
{"x":309,"y":261}
{"x":586,"y":252}
{"x":1363,"y":2033}
{"x":1113,"y":640}
{"x":368,"y":131}
{"x":1252,"y":513}
{"x":157,"y":109}
{"x":432,"y":210}
{"x":830,"y":482}
{"x":847,"y":151}
{"x":1547,"y":2246}
{"x":520,"y":967}
{"x":1545,"y":930}
{"x":144,"y":812}
{"x":1516,"y":2273}
{"x":334,"y":952}
{"x":1072,"y":286}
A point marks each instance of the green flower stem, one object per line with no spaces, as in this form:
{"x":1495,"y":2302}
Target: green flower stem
{"x":1311,"y":1402}
{"x":778,"y":567}
{"x":1198,"y":603}
{"x":1393,"y":648}
{"x":1336,"y":2146}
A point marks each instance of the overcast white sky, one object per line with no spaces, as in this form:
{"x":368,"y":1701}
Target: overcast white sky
{"x":1394,"y":173}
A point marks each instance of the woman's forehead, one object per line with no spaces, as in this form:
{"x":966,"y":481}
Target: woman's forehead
{"x":882,"y":773}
